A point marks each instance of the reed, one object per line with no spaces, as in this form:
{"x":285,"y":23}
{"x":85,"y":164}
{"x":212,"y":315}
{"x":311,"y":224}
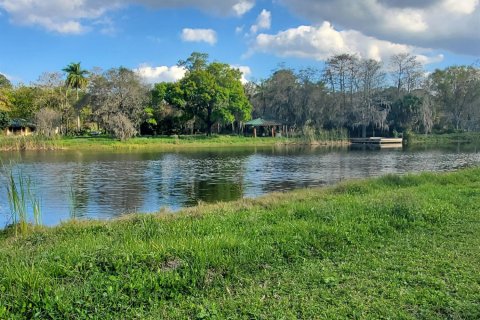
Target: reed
{"x":34,"y":142}
{"x":312,"y":135}
{"x":21,"y":199}
{"x":72,"y":197}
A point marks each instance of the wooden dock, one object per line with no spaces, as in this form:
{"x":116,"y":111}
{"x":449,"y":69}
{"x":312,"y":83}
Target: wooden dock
{"x":378,"y":141}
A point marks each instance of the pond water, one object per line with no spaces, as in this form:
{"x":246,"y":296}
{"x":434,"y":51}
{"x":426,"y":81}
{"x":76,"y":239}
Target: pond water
{"x":102,"y":185}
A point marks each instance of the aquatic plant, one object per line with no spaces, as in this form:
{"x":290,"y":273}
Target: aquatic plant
{"x":21,"y":198}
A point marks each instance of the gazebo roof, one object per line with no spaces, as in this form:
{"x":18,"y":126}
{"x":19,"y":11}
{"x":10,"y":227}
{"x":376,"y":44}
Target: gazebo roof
{"x":259,"y":122}
{"x":20,"y":123}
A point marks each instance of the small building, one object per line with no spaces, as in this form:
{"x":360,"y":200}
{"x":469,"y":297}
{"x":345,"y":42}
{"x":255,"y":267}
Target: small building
{"x":263,"y":128}
{"x":20,"y":127}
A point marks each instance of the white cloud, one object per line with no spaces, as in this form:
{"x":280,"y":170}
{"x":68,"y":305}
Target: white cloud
{"x":199,"y":35}
{"x":160,"y":74}
{"x":75,"y":16}
{"x":246,"y":72}
{"x":243,"y":6}
{"x":264,"y":22}
{"x":438,"y":24}
{"x":322,"y":42}
{"x":463,"y":7}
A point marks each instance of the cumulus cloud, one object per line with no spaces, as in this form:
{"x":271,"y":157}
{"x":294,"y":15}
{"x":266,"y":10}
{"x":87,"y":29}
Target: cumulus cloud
{"x":153,"y":74}
{"x":438,"y":24}
{"x":264,"y":22}
{"x":246,"y":72}
{"x":243,"y":7}
{"x":199,"y":35}
{"x":76,"y":16}
{"x":322,"y":42}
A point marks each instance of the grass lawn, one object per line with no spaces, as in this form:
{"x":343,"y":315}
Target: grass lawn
{"x":397,"y":247}
{"x":446,"y":138}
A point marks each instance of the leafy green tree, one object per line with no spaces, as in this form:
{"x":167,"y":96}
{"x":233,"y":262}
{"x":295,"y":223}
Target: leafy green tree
{"x":24,"y":102}
{"x":4,"y":120}
{"x":163,"y":115}
{"x":6,"y":99}
{"x":405,"y":113}
{"x":211,"y":92}
{"x":4,"y":82}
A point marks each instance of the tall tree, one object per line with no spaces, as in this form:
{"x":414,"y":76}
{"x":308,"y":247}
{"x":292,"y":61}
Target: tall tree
{"x":370,"y":108}
{"x":407,"y":72}
{"x":76,"y":79}
{"x":457,"y":90}
{"x":4,"y":82}
{"x":52,"y":95}
{"x":118,"y":99}
{"x":211,"y":92}
{"x":340,"y":73}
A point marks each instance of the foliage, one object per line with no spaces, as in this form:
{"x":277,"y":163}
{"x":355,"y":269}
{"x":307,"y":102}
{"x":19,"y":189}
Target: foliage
{"x":458,"y":92}
{"x":121,"y":126}
{"x":407,"y":72}
{"x":24,"y":104}
{"x":395,"y":247}
{"x":4,"y":82}
{"x":405,"y":113}
{"x":118,"y":99}
{"x":4,"y":120}
{"x":76,"y":77}
{"x":6,"y":99}
{"x":211,"y":92}
{"x":363,"y":96}
{"x":47,"y":122}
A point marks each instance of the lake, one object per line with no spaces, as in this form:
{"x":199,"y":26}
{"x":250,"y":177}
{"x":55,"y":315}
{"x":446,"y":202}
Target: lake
{"x":103,"y":185}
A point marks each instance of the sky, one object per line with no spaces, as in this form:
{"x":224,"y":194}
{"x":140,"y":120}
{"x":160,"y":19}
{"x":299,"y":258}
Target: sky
{"x":256,"y":36}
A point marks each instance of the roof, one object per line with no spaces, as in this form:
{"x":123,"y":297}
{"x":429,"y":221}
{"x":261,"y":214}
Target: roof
{"x":259,"y":122}
{"x":20,"y":123}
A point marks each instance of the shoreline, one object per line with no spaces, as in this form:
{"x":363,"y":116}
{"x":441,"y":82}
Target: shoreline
{"x":34,"y":143}
{"x":164,"y":143}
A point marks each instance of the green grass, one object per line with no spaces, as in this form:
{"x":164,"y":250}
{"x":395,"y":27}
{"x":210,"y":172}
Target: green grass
{"x":107,"y":143}
{"x":397,"y":247}
{"x":446,"y":138}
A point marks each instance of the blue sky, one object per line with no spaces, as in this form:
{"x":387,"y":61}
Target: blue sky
{"x":152,"y":35}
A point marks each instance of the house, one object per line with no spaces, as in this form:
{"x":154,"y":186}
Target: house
{"x":20,"y":127}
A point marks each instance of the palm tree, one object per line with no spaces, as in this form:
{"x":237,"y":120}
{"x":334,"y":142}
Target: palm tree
{"x":76,"y":79}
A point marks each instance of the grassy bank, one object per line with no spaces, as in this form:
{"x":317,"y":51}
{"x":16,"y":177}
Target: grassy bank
{"x":447,"y":138}
{"x":395,"y":247}
{"x":106,"y":143}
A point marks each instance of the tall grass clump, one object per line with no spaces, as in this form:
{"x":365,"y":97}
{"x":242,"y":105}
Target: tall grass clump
{"x":313,"y":135}
{"x":33,"y":142}
{"x":73,"y":203}
{"x":21,"y":199}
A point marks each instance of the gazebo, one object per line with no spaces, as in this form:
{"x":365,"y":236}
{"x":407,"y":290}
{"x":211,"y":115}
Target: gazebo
{"x":268,"y":125}
{"x":20,"y":127}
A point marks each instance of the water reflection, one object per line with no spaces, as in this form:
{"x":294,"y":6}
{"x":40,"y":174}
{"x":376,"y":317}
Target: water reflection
{"x":105,"y":185}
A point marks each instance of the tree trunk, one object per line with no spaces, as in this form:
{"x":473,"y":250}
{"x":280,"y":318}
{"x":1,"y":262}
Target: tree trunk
{"x":209,"y":121}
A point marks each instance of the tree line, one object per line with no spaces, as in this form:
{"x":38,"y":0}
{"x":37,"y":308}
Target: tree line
{"x":369,"y":97}
{"x":364,"y":96}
